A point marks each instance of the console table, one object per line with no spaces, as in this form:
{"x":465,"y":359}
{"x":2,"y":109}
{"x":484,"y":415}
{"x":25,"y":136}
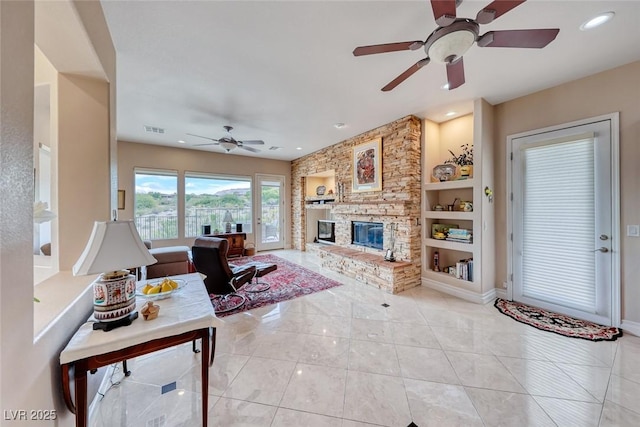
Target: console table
{"x":236,"y":243}
{"x":187,"y":315}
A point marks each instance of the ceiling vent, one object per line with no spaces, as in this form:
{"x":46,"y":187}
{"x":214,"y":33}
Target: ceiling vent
{"x":153,"y":129}
{"x":274,"y":148}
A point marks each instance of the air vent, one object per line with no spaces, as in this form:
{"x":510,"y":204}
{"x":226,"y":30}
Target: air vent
{"x":153,"y":129}
{"x":274,"y":148}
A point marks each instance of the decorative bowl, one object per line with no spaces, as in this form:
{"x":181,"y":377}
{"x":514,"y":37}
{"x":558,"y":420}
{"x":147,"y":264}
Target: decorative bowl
{"x":444,"y":172}
{"x":160,"y":295}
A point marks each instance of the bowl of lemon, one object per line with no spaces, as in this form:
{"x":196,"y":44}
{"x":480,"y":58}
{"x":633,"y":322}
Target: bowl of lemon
{"x":160,"y":288}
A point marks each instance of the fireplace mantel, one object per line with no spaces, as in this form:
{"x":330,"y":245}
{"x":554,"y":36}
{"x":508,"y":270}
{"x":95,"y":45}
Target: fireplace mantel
{"x":372,"y":208}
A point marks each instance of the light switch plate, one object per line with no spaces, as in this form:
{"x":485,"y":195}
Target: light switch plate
{"x":633,"y":230}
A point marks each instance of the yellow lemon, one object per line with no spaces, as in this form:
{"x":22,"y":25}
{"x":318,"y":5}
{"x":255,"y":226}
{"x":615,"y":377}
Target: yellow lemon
{"x":173,"y":284}
{"x":155,"y":290}
{"x":166,"y":287}
{"x":146,"y":288}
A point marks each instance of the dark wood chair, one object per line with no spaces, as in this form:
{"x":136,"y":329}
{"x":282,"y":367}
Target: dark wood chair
{"x":223,"y":281}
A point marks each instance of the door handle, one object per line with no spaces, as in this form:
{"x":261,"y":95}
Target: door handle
{"x":602,"y":249}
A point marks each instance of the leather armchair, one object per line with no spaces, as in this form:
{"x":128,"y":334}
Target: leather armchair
{"x":222,"y":281}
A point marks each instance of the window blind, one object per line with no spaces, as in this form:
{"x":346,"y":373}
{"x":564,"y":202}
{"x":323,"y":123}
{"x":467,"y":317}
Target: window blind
{"x":558,"y":262}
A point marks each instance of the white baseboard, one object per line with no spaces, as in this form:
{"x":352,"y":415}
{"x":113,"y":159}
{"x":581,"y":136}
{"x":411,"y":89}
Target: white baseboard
{"x":630,"y":327}
{"x":501,"y":293}
{"x":464,"y":294}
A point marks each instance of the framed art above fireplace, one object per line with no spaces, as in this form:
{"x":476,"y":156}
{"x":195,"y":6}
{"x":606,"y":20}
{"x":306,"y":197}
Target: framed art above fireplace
{"x":367,"y":166}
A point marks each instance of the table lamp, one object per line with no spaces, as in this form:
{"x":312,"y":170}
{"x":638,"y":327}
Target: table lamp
{"x":113,"y":247}
{"x":228,"y":219}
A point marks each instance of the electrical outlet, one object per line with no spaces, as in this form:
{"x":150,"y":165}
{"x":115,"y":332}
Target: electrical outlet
{"x":633,"y":230}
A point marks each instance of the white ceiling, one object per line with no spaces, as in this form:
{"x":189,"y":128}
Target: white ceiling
{"x":283,"y":71}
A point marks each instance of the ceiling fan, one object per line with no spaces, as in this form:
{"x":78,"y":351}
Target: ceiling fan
{"x":229,"y":143}
{"x":454,"y":36}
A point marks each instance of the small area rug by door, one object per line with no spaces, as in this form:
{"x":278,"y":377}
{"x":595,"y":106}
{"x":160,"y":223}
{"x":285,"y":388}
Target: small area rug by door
{"x":289,"y":281}
{"x":557,"y":323}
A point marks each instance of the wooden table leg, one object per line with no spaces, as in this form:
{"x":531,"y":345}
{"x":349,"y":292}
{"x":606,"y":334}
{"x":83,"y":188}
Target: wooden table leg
{"x":204,"y":360}
{"x":80,"y":377}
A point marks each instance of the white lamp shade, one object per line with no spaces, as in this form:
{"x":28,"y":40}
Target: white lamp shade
{"x":113,"y":245}
{"x":227,"y":217}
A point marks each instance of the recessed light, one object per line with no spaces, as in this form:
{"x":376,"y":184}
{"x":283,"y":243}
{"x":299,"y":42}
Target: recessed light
{"x":339,"y":125}
{"x":181,"y":142}
{"x":298,"y":148}
{"x":451,"y":113}
{"x":596,"y":21}
{"x":445,"y":86}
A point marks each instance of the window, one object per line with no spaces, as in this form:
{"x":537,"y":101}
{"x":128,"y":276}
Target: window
{"x":156,"y":204}
{"x":208,"y":199}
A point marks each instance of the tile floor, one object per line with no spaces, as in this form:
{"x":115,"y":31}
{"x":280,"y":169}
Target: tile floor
{"x":339,"y":358}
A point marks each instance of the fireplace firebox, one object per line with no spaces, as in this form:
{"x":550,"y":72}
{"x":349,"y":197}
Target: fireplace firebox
{"x":326,"y":231}
{"x":369,"y":234}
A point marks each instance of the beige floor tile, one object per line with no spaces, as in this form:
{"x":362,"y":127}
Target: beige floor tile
{"x":316,"y":389}
{"x":570,"y":413}
{"x":499,"y":408}
{"x":280,"y":345}
{"x":542,"y":378}
{"x":376,"y":399}
{"x":594,"y":379}
{"x":414,"y":335}
{"x":624,"y":393}
{"x":466,"y":340}
{"x":434,"y":404}
{"x":616,"y":416}
{"x":485,"y":371}
{"x":428,"y":364}
{"x":225,"y":368}
{"x":290,"y":418}
{"x":371,"y":330}
{"x":373,"y":357}
{"x":325,"y":351}
{"x":238,"y":413}
{"x":261,"y":381}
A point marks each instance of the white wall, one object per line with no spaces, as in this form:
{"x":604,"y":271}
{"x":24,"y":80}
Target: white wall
{"x":29,"y":369}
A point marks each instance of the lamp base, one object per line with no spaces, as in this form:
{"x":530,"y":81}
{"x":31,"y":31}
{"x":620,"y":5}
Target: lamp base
{"x":107,"y":326}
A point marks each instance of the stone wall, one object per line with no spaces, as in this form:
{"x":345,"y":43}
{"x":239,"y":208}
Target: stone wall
{"x":398,"y":202}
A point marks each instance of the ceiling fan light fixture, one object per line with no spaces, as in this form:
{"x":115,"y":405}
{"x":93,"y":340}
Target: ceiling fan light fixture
{"x":596,"y":21}
{"x":452,"y":46}
{"x":227,"y":145}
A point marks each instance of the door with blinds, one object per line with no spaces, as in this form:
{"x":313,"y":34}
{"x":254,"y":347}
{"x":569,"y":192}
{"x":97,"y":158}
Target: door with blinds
{"x":562,"y":221}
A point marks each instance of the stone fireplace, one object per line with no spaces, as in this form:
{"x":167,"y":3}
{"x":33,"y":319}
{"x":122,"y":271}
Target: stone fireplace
{"x":398,"y":204}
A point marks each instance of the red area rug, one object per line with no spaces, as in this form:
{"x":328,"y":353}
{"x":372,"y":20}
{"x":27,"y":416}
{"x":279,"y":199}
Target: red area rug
{"x":289,"y":281}
{"x":557,"y":323}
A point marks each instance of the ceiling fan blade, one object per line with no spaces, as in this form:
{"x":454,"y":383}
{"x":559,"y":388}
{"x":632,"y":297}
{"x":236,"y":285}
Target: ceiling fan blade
{"x":200,"y":136}
{"x":208,"y":143}
{"x":455,"y":74}
{"x":252,"y":142}
{"x":518,"y":38}
{"x":444,"y":11}
{"x":496,"y":9}
{"x":404,"y":76}
{"x":253,"y":150}
{"x":387,"y":47}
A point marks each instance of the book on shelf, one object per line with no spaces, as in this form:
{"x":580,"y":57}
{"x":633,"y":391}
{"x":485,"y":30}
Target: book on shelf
{"x":463,"y":270}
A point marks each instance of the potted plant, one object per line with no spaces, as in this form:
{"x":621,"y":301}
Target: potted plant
{"x":464,"y":160}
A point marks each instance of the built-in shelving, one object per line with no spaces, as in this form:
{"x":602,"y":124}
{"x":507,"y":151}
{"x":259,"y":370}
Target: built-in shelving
{"x":475,"y":129}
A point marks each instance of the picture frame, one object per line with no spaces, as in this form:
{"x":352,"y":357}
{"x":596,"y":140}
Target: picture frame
{"x":121,"y":199}
{"x":367,"y":166}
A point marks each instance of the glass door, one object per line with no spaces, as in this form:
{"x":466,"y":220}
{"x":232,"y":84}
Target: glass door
{"x":270,"y":212}
{"x":562,"y":221}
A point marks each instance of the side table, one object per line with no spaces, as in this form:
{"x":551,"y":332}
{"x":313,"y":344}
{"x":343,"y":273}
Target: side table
{"x":187,"y":315}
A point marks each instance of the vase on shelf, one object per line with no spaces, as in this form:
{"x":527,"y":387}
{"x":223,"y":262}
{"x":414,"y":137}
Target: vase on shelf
{"x":466,"y":171}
